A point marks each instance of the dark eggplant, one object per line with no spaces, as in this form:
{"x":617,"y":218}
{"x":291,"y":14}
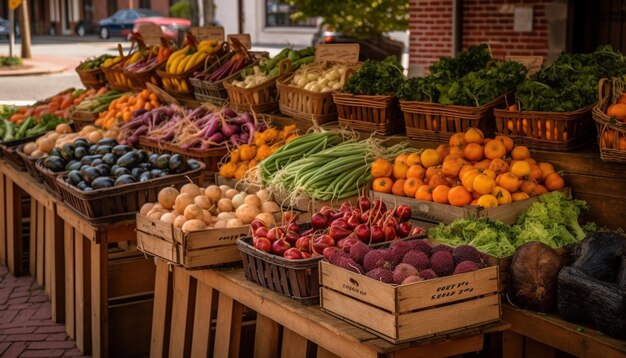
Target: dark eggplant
{"x":145,"y":166}
{"x":109,"y":159}
{"x":152,"y":159}
{"x":143,"y":156}
{"x":177,"y":163}
{"x":102,"y":182}
{"x":80,"y":152}
{"x":92,"y":148}
{"x":103,"y":149}
{"x":103,"y":169}
{"x":89,"y":173}
{"x":120,"y":171}
{"x":97,"y":162}
{"x":74,"y":177}
{"x":82,"y":143}
{"x":88,"y":159}
{"x":136,"y":172}
{"x":71,"y":163}
{"x":156,"y":173}
{"x":121,"y":149}
{"x":56,"y":164}
{"x":55,"y":152}
{"x":67,"y":151}
{"x":124,"y":179}
{"x":128,"y":160}
{"x":193,"y":164}
{"x":145,"y":176}
{"x":107,"y":141}
{"x":82,"y":185}
{"x":163,"y":161}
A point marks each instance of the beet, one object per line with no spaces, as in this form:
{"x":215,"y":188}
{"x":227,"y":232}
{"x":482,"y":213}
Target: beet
{"x":534,"y":272}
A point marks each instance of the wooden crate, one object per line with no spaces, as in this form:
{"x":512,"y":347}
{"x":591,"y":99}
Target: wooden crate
{"x":407,"y":312}
{"x":442,"y":213}
{"x":191,"y":250}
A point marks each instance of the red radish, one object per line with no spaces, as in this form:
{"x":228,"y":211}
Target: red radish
{"x":321,"y":242}
{"x":325,"y":210}
{"x":338,"y":232}
{"x":365,"y":217}
{"x":304,"y":243}
{"x":363,"y":232}
{"x":345,"y":207}
{"x":275,"y":233}
{"x":293,"y":254}
{"x":403,"y":229}
{"x":261,"y":232}
{"x":279,"y":247}
{"x":263,"y":244}
{"x":319,"y":221}
{"x":334,"y":215}
{"x":390,"y":232}
{"x":291,"y":237}
{"x":329,"y":251}
{"x":339,"y":222}
{"x":352,"y":222}
{"x":377,"y":234}
{"x":308,"y":232}
{"x":289,"y":217}
{"x":293,"y":227}
{"x":389,"y":220}
{"x":403,"y":212}
{"x":306,"y":255}
{"x":256,"y":223}
{"x":379,"y":205}
{"x":364,"y":203}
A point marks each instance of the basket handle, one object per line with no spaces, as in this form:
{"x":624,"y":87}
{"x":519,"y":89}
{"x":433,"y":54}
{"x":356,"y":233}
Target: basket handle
{"x":346,"y":75}
{"x":604,"y":90}
{"x":284,"y":66}
{"x":119,"y":49}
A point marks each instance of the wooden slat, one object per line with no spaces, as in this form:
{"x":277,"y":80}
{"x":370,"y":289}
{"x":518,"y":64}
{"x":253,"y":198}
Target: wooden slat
{"x":99,"y":299}
{"x":533,"y":348}
{"x":41,"y":232}
{"x":14,"y":223}
{"x":57,"y":239}
{"x":512,"y":345}
{"x":228,"y":327}
{"x":182,"y":314}
{"x":3,"y":216}
{"x":293,"y":345}
{"x":203,"y":316}
{"x":48,"y":247}
{"x":445,"y":348}
{"x":82,"y":274}
{"x":32,"y":248}
{"x":159,"y":343}
{"x":70,"y":289}
{"x":323,"y":353}
{"x":130,"y":276}
{"x":266,"y":337}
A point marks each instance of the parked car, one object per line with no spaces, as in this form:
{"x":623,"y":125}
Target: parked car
{"x":170,"y":26}
{"x":122,"y":22}
{"x":375,"y":49}
{"x":4,"y":28}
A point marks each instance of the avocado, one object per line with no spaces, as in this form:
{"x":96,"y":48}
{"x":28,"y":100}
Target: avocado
{"x":74,"y":177}
{"x":102,"y":182}
{"x":163,"y":161}
{"x":120,"y":149}
{"x":109,"y":158}
{"x":56,"y":164}
{"x":124,"y":179}
{"x":177,"y":163}
{"x":128,"y":160}
{"x":89,"y":173}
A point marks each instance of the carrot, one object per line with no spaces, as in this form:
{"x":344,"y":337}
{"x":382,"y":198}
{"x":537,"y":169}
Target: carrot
{"x":67,"y":101}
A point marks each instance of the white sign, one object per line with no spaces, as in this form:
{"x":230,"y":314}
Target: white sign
{"x":523,"y":18}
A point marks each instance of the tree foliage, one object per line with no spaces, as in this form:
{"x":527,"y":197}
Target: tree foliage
{"x":356,"y":18}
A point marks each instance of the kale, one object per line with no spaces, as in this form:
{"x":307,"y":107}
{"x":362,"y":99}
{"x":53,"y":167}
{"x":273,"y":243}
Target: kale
{"x":376,"y":78}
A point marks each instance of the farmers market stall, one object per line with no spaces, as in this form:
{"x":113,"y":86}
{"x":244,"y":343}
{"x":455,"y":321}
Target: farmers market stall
{"x":487,"y":227}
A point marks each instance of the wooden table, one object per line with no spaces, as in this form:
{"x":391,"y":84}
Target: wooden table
{"x":187,"y":302}
{"x":108,"y":287}
{"x":538,"y":335}
{"x":45,"y":241}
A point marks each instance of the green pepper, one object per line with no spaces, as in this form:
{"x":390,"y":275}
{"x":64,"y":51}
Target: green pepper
{"x":8,"y":134}
{"x":21,"y":132}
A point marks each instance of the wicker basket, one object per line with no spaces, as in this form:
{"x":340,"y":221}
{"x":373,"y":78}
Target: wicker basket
{"x":210,"y":158}
{"x":305,"y":105}
{"x":9,"y":151}
{"x":29,"y":163}
{"x":296,"y":279}
{"x":116,"y":78}
{"x":611,"y":132}
{"x":92,"y":78}
{"x":436,"y":122}
{"x":207,"y":91}
{"x":138,"y":79}
{"x":113,"y":204}
{"x":369,"y":113}
{"x":49,"y":178}
{"x":567,"y":130}
{"x":262,"y":98}
{"x":82,"y":119}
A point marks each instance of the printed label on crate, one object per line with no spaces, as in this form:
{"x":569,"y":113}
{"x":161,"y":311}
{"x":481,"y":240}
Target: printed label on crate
{"x":208,"y":33}
{"x":451,"y":290}
{"x":151,"y":34}
{"x":337,"y":53}
{"x":245,"y":39}
{"x":154,"y":227}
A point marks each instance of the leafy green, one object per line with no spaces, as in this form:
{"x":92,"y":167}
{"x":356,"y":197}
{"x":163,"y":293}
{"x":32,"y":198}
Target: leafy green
{"x":376,"y":78}
{"x":491,"y":237}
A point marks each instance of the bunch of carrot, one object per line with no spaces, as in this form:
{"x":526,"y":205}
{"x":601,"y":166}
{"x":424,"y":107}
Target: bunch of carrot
{"x":122,"y":109}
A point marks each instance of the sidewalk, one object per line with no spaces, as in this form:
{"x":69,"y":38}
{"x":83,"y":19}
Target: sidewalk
{"x":26,"y":329}
{"x":40,"y":65}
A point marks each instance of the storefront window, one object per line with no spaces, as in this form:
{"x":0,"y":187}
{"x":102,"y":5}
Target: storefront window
{"x":278,"y":14}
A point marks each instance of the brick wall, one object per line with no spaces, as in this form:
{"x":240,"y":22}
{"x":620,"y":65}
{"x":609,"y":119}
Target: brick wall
{"x":491,"y":21}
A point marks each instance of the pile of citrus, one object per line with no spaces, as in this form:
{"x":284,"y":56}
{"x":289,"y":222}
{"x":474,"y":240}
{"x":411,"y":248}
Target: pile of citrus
{"x":470,"y":170}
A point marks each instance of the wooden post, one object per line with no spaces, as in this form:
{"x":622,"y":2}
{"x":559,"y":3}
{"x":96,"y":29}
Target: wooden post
{"x":161,"y":316}
{"x":24,"y":21}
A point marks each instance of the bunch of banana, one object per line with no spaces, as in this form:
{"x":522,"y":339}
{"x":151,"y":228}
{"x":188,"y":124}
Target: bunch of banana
{"x":209,"y":46}
{"x":112,"y":61}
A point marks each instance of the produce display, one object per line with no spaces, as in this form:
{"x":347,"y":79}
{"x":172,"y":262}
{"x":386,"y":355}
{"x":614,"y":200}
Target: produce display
{"x":376,"y":78}
{"x":198,"y":129}
{"x":188,"y":58}
{"x":368,"y":222}
{"x":269,"y":68}
{"x":57,"y":105}
{"x":552,"y":220}
{"x":95,"y":62}
{"x":236,"y":63}
{"x":247,"y":156}
{"x":319,"y":77}
{"x":98,"y":102}
{"x":471,"y":170}
{"x":62,"y":135}
{"x":107,"y":164}
{"x":467,"y":79}
{"x":194,"y":208}
{"x":121,"y":110}
{"x":30,"y":127}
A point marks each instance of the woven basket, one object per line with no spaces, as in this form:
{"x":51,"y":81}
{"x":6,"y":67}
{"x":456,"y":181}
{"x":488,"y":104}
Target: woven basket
{"x":9,"y":151}
{"x":305,"y":105}
{"x":568,"y":130}
{"x":138,"y":79}
{"x":29,"y":163}
{"x":49,"y":178}
{"x":262,"y":98}
{"x":82,"y":119}
{"x":379,"y":114}
{"x":92,"y":78}
{"x":215,"y":92}
{"x":113,"y":204}
{"x":611,"y":132}
{"x":436,"y":122}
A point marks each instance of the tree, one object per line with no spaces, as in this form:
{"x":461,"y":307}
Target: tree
{"x":355,"y":18}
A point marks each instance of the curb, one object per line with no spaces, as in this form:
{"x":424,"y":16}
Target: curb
{"x":34,"y":68}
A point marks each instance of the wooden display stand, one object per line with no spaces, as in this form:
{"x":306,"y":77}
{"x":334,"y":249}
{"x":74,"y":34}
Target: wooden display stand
{"x":108,"y":287}
{"x":187,"y":302}
{"x":44,"y":242}
{"x":539,"y":335}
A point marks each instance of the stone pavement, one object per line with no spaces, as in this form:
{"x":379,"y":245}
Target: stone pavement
{"x":26,"y":329}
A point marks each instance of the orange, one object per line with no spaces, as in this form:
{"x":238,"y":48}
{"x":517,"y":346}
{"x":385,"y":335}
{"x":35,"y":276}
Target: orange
{"x":474,"y":202}
{"x":546,"y":169}
{"x":490,"y":173}
{"x":424,"y":193}
{"x":451,"y":168}
{"x":487,"y":201}
{"x":437,"y":180}
{"x":499,"y":166}
{"x":401,"y":158}
{"x":617,"y":111}
{"x":535,"y":172}
{"x":540,"y":189}
{"x":416,"y":171}
{"x":503,"y":195}
{"x":411,"y":185}
{"x":530,"y":161}
{"x":483,"y":184}
{"x":622,"y":99}
{"x":381,"y":168}
{"x":473,"y":152}
{"x":464,"y":169}
{"x":519,"y":196}
{"x":430,"y":158}
{"x":507,"y":141}
{"x":432,"y":171}
{"x":483,"y":164}
{"x":554,"y":181}
{"x":520,"y":152}
{"x":398,"y":187}
{"x":382,"y":185}
{"x":495,"y":149}
{"x":458,"y":196}
{"x":468,"y":180}
{"x":457,"y":140}
{"x":443,"y":150}
{"x":399,"y":170}
{"x":440,"y":194}
{"x":509,"y":182}
{"x":520,"y":169}
{"x":413,"y":159}
{"x":457,"y":150}
{"x":529,"y":187}
{"x":474,"y":135}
